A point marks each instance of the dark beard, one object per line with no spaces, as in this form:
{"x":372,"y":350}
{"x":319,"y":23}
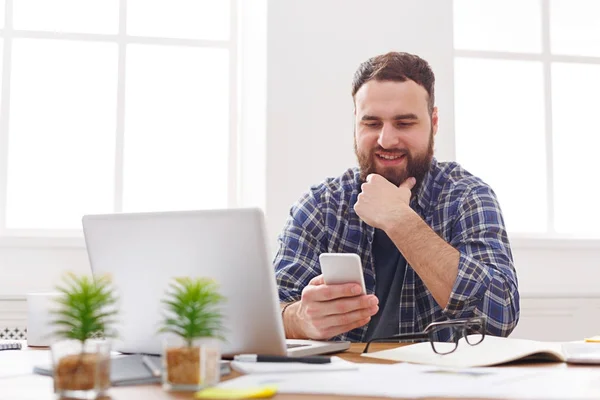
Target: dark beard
{"x":417,"y":166}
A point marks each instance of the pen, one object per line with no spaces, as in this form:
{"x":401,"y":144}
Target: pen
{"x":259,"y":358}
{"x":150,"y":365}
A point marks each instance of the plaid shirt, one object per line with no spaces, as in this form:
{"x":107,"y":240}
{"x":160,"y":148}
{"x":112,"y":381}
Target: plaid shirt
{"x":459,"y":207}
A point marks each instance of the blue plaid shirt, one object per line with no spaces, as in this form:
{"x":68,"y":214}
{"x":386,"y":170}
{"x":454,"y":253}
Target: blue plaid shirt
{"x":458,"y":206}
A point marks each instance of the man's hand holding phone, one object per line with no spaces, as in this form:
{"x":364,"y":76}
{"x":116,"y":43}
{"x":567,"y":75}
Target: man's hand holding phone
{"x":326,"y":310}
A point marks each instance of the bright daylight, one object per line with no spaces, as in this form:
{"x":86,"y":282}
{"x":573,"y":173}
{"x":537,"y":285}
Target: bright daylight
{"x":317,"y":199}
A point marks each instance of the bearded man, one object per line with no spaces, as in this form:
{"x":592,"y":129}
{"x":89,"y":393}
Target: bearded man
{"x":430,"y":235}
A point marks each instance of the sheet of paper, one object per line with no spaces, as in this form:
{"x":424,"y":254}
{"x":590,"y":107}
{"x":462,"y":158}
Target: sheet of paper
{"x":337,"y":364}
{"x":492,"y":351}
{"x":33,"y":387}
{"x":416,"y":381}
{"x":21,"y":362}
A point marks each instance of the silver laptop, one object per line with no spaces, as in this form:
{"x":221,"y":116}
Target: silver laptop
{"x":144,"y":251}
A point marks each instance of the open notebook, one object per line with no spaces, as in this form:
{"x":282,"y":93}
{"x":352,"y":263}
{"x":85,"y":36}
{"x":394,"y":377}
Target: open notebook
{"x":493,"y":351}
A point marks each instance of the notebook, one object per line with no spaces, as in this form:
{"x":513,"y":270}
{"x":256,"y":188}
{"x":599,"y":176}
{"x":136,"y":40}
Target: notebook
{"x":10,"y":346}
{"x":130,"y":370}
{"x":494,"y":351}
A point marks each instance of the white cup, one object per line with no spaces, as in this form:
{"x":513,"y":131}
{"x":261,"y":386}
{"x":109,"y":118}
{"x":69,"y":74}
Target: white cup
{"x":39,"y":328}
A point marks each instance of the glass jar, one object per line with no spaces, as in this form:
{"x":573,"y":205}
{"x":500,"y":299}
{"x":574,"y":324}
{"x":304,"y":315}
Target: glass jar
{"x":81,"y":370}
{"x":190,"y":366}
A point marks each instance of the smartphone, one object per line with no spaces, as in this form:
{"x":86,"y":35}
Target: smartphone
{"x":338,"y":268}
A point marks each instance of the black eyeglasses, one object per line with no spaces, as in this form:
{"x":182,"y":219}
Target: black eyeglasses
{"x":472,"y":329}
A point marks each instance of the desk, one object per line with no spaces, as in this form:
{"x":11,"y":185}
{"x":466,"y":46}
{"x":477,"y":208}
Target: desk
{"x":34,"y":387}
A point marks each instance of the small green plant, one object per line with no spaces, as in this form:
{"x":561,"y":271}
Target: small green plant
{"x":193,"y":309}
{"x":86,"y":307}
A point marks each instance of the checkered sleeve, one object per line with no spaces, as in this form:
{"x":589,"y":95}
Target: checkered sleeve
{"x":300,"y":243}
{"x":487,"y":282}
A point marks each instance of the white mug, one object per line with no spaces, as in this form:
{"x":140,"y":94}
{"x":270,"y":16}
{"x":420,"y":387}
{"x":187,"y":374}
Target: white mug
{"x":39,"y":328}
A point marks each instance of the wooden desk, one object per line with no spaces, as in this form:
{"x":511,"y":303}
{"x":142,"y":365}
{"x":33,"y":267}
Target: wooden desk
{"x":34,"y":387}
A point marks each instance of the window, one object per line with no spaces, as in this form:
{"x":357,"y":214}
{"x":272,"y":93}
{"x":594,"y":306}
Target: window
{"x":526,"y":76}
{"x":114,"y":105}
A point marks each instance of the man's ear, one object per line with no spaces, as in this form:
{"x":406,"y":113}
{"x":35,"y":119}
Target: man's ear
{"x":434,"y":120}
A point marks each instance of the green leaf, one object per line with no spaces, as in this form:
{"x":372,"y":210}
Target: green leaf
{"x":192,"y":308}
{"x":86,"y":307}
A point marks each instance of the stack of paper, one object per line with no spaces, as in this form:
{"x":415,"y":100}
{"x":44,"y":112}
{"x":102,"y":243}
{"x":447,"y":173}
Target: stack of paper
{"x":415,"y":381}
{"x":337,"y":364}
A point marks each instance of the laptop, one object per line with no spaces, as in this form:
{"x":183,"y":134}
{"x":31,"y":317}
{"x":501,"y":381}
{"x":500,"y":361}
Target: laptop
{"x":142,"y":252}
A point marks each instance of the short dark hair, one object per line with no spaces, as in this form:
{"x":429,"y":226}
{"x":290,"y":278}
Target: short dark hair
{"x":399,"y":67}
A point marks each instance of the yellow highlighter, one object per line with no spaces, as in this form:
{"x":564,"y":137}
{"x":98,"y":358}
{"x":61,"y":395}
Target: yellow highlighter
{"x":258,"y":392}
{"x":593,"y":339}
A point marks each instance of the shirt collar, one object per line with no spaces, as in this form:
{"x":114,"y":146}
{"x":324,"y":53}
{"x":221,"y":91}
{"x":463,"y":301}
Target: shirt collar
{"x":424,"y":192}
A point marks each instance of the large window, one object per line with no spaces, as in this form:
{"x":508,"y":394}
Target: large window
{"x":115,"y":105}
{"x":527,"y":75}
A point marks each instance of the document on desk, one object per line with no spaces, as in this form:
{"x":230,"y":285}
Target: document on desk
{"x":492,"y":351}
{"x":336,"y":364}
{"x":416,"y":381}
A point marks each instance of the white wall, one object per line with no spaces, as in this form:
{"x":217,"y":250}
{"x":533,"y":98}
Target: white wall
{"x":26,"y":268}
{"x":314,"y":48}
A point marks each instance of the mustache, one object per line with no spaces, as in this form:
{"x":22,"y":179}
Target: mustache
{"x":399,"y":152}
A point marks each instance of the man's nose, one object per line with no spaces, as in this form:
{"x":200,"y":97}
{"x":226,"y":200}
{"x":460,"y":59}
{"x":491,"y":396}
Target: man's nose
{"x":388,"y":138}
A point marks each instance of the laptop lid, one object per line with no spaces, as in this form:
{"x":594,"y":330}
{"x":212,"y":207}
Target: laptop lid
{"x":144,"y":251}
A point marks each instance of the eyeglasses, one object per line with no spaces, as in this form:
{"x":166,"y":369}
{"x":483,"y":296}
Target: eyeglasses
{"x":472,"y":329}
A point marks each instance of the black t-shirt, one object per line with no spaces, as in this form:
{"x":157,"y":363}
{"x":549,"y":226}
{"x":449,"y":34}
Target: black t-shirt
{"x":390,"y":266}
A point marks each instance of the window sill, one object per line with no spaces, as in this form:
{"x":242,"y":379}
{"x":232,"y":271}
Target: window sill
{"x":72,"y":242}
{"x":517,"y":241}
{"x":553,"y":242}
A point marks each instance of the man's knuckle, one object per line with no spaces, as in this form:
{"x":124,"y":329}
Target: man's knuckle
{"x":344,"y":319}
{"x":319,"y":324}
{"x":341,"y":307}
{"x":307,"y":295}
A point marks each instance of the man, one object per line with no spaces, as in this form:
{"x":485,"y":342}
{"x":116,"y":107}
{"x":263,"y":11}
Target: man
{"x":430,"y":235}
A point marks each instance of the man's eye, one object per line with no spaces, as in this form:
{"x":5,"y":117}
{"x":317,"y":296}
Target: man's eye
{"x":372,"y":124}
{"x":404,"y":124}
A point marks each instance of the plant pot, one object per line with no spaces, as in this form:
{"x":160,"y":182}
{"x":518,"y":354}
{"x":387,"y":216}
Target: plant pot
{"x":81,"y":371}
{"x":191,"y":368}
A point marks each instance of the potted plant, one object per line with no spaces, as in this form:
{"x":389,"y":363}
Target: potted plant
{"x":193,"y":318}
{"x":81,"y":361}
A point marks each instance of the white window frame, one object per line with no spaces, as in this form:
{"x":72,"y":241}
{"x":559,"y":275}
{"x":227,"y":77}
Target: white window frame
{"x":551,"y":239}
{"x":73,"y":238}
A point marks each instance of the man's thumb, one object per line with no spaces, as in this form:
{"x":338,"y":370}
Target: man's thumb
{"x":409,"y":183}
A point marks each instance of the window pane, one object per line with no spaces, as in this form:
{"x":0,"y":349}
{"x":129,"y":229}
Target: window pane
{"x":1,"y":66}
{"x":2,"y":13}
{"x":575,"y":27}
{"x":186,"y":19}
{"x":176,"y":129}
{"x":500,"y":135}
{"x":576,"y":137}
{"x":509,"y":25}
{"x":78,"y":16}
{"x":62,"y":132}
